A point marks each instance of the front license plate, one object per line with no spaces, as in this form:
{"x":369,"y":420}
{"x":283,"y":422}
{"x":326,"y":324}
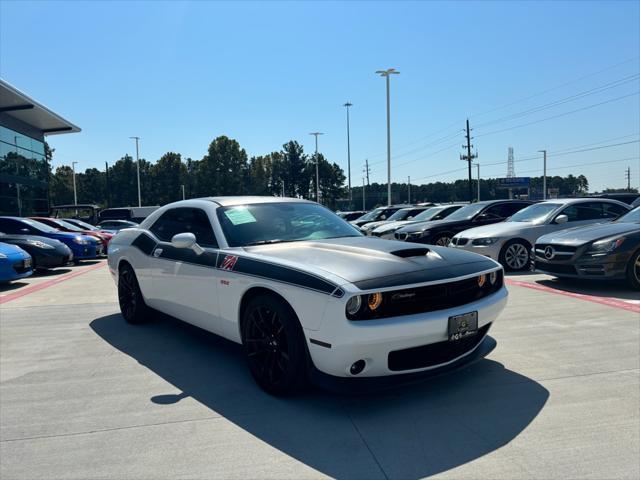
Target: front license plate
{"x":461,"y":326}
{"x":27,"y":262}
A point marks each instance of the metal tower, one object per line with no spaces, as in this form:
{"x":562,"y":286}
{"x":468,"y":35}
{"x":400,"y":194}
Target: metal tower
{"x":511,"y":172}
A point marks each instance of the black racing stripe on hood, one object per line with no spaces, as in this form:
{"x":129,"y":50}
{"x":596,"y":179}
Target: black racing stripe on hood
{"x":242,"y":265}
{"x":144,"y":243}
{"x":426,"y":275}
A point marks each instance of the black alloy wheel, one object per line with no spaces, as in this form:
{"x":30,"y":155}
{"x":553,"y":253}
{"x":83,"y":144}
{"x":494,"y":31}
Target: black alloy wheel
{"x":443,"y":240}
{"x":274,"y":345}
{"x":633,"y":271}
{"x":132,"y":305}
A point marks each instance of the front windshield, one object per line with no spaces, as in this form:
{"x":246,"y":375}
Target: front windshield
{"x":429,"y":213}
{"x":39,"y":226}
{"x":69,"y":226}
{"x":265,"y":223}
{"x":467,"y":212}
{"x":372,"y":215}
{"x":630,"y":217}
{"x":534,"y":213}
{"x":401,"y":214}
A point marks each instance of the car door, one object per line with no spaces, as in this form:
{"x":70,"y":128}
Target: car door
{"x":185,"y":284}
{"x":581,"y":213}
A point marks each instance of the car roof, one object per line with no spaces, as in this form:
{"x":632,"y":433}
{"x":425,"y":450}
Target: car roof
{"x":565,"y":201}
{"x":243,"y":200}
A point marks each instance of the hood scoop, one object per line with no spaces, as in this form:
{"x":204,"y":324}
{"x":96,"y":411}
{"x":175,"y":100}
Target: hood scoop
{"x":411,"y":252}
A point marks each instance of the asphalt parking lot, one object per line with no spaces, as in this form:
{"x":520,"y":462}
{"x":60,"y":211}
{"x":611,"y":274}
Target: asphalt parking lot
{"x":84,"y":395}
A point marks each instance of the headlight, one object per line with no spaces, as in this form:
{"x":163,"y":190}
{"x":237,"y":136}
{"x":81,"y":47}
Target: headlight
{"x":493,"y":276}
{"x":607,"y":245}
{"x":484,"y":241}
{"x":80,"y":241}
{"x":39,"y":244}
{"x":353,"y":305}
{"x":374,"y":300}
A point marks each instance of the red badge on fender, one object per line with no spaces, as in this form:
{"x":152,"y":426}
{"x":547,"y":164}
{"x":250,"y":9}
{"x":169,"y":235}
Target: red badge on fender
{"x":229,"y":262}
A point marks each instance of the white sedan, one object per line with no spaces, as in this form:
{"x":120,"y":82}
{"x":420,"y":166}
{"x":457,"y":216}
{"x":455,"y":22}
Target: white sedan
{"x":305,"y":293}
{"x":511,"y":242}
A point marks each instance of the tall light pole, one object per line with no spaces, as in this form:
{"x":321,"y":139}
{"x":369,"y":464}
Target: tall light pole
{"x":347,"y":105}
{"x":137,"y":139}
{"x":544,"y":174}
{"x":315,"y":134}
{"x":478,"y":182}
{"x":363,"y":202}
{"x":409,"y":190}
{"x":75,"y":196}
{"x":387,"y":73}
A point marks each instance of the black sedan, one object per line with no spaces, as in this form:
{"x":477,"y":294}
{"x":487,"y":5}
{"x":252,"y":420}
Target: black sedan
{"x":440,"y":232}
{"x":380,"y":213}
{"x":602,"y":251}
{"x":45,"y":252}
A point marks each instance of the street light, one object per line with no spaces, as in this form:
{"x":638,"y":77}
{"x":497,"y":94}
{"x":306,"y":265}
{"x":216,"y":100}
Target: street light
{"x":478,"y":182}
{"x":137,"y":139}
{"x":315,"y":134}
{"x":387,"y":73}
{"x":347,"y":105}
{"x":75,"y":196}
{"x":544,"y":175}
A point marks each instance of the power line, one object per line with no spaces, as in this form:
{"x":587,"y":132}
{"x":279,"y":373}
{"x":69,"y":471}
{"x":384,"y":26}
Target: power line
{"x":586,"y":164}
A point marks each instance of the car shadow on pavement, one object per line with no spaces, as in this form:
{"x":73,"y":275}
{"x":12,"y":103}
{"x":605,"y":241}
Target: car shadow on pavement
{"x":409,"y":432}
{"x":14,"y":285}
{"x":52,"y":272}
{"x":599,"y":288}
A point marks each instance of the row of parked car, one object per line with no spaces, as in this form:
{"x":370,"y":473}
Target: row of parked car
{"x":41,"y":243}
{"x":577,"y":237}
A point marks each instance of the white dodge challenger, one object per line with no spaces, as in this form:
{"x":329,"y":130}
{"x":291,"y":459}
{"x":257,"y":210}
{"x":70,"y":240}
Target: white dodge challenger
{"x":307,"y":295}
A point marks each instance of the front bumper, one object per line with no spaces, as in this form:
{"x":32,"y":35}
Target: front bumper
{"x":15,"y":266}
{"x":612,"y":266}
{"x":338,"y":344}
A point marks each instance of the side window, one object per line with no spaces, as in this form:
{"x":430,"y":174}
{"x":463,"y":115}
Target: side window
{"x":10,"y":226}
{"x":495,"y":211}
{"x":583,"y":211}
{"x":612,"y":210}
{"x":511,"y":208}
{"x":181,"y":220}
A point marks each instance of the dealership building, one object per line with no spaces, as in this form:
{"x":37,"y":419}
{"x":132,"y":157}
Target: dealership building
{"x":24,"y":170}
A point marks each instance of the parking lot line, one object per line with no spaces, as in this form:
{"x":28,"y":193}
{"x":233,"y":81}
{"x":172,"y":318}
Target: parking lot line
{"x":49,"y":283}
{"x":612,"y":302}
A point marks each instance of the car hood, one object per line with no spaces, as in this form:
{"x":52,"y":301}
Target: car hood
{"x":7,"y":249}
{"x":580,"y":235}
{"x":420,"y":226}
{"x":372,"y":225}
{"x":501,"y":229}
{"x":383,"y":227}
{"x":24,"y":240}
{"x":371,"y":262}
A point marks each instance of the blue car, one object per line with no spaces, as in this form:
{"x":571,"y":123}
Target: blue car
{"x":83,"y":247}
{"x":14,"y":263}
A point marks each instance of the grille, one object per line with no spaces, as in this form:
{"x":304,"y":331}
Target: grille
{"x":435,"y":354}
{"x":401,"y":236}
{"x":564,"y":252}
{"x":22,"y":266}
{"x":461,"y":241}
{"x":432,"y":298}
{"x":556,"y":268}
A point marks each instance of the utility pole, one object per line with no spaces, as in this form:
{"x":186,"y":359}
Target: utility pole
{"x":315,"y":134}
{"x":363,"y":202}
{"x":366,"y":171}
{"x":75,"y":196}
{"x":137,"y":139}
{"x":106,"y":173}
{"x":387,"y":74}
{"x":409,"y":190}
{"x":628,"y":177}
{"x":347,"y":105}
{"x":469,"y":158}
{"x":544,"y":174}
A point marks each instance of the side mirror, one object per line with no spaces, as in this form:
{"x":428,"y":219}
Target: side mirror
{"x":561,"y":219}
{"x":409,"y":217}
{"x":383,"y":217}
{"x":187,"y":240}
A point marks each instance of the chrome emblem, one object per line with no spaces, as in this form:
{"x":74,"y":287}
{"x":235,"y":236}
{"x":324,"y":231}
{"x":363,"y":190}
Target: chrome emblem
{"x":157,"y":252}
{"x":549,"y":252}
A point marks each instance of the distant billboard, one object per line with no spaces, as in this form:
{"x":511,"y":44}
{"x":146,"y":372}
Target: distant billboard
{"x":514,"y":182}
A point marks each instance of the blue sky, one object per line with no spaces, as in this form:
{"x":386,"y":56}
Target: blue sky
{"x":179,"y":74}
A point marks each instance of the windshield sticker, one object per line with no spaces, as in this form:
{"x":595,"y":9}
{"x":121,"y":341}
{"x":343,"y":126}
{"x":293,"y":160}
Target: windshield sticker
{"x":240,"y":215}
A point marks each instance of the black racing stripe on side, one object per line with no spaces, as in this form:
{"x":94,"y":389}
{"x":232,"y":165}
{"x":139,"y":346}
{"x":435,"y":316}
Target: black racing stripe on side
{"x":426,"y":275}
{"x":144,"y":243}
{"x":169,"y":252}
{"x":280,"y":274}
{"x":320,"y":343}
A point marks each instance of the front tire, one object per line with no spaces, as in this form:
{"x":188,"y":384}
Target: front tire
{"x":132,"y":305}
{"x":633,"y":271}
{"x":515,"y":256}
{"x":443,"y":239}
{"x":274,"y":345}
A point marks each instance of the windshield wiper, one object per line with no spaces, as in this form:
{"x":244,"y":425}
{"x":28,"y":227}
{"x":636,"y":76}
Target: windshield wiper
{"x":267,"y":242}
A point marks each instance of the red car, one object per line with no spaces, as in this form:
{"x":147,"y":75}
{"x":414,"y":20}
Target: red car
{"x":63,"y":226}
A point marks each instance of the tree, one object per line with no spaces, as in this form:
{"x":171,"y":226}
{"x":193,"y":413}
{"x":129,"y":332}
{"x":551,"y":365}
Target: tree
{"x":167,"y":177}
{"x":222,"y":170}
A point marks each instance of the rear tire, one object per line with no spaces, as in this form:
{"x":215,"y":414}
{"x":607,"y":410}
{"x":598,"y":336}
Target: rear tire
{"x":274,"y":345}
{"x":633,"y":271}
{"x":132,"y":305}
{"x":515,"y":256}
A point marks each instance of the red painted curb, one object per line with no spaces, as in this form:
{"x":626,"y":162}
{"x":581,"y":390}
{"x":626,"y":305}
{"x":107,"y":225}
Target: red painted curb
{"x":611,"y":302}
{"x":49,"y":283}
